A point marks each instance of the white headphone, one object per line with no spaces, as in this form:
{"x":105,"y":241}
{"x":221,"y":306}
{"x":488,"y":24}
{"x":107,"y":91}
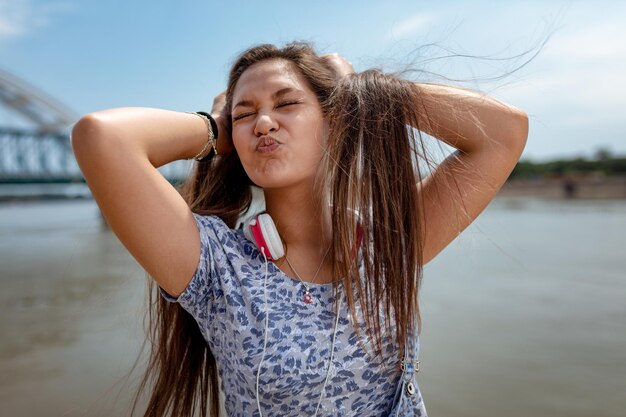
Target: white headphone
{"x":262,"y":231}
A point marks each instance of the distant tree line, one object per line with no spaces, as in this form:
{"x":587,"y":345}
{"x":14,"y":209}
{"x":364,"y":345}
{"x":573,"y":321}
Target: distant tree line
{"x":602,"y":164}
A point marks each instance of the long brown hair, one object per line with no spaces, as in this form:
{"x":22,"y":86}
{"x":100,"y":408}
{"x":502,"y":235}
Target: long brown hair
{"x":370,"y":165}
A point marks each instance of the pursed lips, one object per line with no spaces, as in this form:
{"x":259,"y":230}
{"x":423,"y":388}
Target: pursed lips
{"x":267,"y":144}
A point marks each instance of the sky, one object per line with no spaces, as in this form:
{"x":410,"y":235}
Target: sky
{"x":562,"y":62}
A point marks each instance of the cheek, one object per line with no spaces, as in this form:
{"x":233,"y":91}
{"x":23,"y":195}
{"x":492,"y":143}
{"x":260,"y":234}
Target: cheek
{"x":239,"y":141}
{"x":319,"y":135}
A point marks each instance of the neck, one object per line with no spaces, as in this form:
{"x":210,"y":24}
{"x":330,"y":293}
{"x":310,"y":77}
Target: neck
{"x":300,"y":218}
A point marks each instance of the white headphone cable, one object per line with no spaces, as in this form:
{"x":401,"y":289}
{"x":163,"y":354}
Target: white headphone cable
{"x":258,"y":372}
{"x":332,"y":349}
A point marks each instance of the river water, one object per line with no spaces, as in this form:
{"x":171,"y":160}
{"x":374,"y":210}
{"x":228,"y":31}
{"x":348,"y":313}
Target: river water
{"x":523,"y":315}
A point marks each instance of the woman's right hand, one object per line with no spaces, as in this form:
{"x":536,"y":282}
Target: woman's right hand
{"x":219,"y":113}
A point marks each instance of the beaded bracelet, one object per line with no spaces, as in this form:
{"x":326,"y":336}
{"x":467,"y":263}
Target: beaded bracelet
{"x":211,"y":144}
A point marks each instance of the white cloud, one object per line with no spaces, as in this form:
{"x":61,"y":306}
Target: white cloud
{"x":574,"y":91}
{"x":12,"y":17}
{"x":579,"y":76}
{"x":603,"y":40}
{"x":410,"y":26}
{"x":587,"y":96}
{"x":21,"y":17}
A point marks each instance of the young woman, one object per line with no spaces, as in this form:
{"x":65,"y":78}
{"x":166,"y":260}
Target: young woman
{"x":315,"y":313}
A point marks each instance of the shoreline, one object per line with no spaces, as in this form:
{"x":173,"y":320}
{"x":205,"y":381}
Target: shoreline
{"x":569,"y":187}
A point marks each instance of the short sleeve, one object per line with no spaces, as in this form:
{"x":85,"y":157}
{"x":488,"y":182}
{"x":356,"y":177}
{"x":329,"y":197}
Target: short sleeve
{"x":195,"y":298}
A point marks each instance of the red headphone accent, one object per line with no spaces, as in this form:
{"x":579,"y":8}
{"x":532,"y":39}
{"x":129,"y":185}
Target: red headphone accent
{"x":262,"y":231}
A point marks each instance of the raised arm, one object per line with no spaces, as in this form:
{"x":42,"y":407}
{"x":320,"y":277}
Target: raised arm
{"x":489,"y":137}
{"x":118,"y":151}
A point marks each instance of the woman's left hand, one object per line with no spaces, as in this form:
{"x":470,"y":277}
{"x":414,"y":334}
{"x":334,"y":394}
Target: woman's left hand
{"x":224,"y":142}
{"x":341,"y":65}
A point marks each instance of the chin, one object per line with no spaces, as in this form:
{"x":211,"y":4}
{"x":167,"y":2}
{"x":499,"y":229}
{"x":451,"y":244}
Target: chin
{"x":268,"y":184}
{"x":270,"y":176}
{"x":273,"y":182}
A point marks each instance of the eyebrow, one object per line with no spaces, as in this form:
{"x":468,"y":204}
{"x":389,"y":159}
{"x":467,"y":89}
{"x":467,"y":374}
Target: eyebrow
{"x":276,"y":95}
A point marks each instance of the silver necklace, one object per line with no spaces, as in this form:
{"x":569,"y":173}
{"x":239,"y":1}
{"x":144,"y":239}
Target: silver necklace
{"x":308,"y":297}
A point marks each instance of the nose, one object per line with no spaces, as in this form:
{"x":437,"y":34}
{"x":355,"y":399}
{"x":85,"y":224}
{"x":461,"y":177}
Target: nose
{"x":265,"y":124}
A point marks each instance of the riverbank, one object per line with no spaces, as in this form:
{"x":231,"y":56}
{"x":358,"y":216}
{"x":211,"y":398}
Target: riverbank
{"x":567,"y":187}
{"x":570,"y":186}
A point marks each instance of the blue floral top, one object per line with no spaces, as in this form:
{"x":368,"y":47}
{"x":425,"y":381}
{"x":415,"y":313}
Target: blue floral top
{"x":227,"y":299}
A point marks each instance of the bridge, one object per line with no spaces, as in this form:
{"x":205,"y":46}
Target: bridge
{"x":36,"y":160}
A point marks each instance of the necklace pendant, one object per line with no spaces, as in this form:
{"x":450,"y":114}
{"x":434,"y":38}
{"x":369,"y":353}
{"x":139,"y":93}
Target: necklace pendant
{"x":308,"y":298}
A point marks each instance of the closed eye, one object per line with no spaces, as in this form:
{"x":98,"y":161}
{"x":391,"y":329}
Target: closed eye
{"x":287,"y":103}
{"x":241,"y":116}
{"x":281,"y":104}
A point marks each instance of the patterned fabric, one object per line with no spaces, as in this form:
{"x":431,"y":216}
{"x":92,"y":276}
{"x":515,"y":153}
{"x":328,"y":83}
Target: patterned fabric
{"x":226,"y":298}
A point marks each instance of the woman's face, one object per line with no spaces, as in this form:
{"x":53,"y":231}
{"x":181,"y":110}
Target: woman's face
{"x":278,"y":126}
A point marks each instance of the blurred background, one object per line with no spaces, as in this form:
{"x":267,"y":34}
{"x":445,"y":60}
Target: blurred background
{"x":523,"y":314}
